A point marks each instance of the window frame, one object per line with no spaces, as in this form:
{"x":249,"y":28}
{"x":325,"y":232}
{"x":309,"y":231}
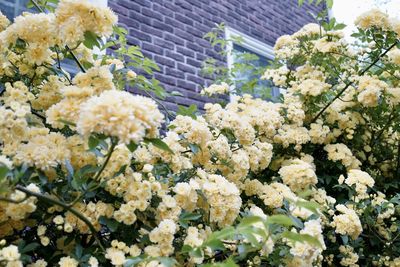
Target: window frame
{"x":102,"y":3}
{"x":249,"y":43}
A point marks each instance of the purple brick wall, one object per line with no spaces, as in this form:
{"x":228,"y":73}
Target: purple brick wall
{"x":171,"y":33}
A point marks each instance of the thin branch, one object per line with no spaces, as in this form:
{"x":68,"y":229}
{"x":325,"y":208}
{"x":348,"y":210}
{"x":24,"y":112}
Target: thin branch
{"x":66,"y":207}
{"x":43,"y":118}
{"x":363,"y":61}
{"x":160,"y":103}
{"x":110,"y":152}
{"x":76,"y":59}
{"x":4,"y":199}
{"x":392,"y":116}
{"x":58,"y":58}
{"x":351,"y":83}
{"x":76,"y":200}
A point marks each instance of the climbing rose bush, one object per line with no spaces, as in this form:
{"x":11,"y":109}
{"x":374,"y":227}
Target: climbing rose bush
{"x":88,"y":180}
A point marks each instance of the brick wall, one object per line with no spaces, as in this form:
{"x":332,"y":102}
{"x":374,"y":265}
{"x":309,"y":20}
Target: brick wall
{"x":170,"y":32}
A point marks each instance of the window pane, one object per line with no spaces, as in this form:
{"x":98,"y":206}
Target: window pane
{"x":248,"y":79}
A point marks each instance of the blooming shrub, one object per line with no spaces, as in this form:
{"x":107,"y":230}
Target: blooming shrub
{"x":87,"y":179}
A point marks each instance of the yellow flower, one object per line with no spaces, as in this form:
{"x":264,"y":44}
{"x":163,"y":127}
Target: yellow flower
{"x":4,"y":22}
{"x":68,"y":262}
{"x":120,"y":114}
{"x":131,"y":75}
{"x":75,"y":17}
{"x":116,"y":256}
{"x":372,"y":18}
{"x":213,"y":89}
{"x":9,"y":253}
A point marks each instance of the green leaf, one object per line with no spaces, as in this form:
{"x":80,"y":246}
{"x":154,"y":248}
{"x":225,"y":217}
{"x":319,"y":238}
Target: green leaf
{"x":329,"y":3}
{"x":215,"y":244}
{"x":29,"y":247}
{"x":249,"y":235}
{"x":194,"y":148}
{"x":87,"y":169}
{"x":91,"y":40}
{"x":176,"y":93}
{"x":196,"y":253}
{"x":3,"y":171}
{"x":186,"y":249}
{"x":93,"y":142}
{"x":159,"y":144}
{"x":186,"y":217}
{"x":224,"y":233}
{"x":110,"y":223}
{"x":29,"y":4}
{"x":297,"y":222}
{"x":189,"y":111}
{"x":300,"y":2}
{"x":248,"y":221}
{"x":167,"y":262}
{"x":345,"y":239}
{"x":132,"y":146}
{"x":339,"y":26}
{"x":280,"y":219}
{"x":310,"y":205}
{"x":69,"y":167}
{"x":130,"y":262}
{"x":296,"y":237}
{"x":78,"y":251}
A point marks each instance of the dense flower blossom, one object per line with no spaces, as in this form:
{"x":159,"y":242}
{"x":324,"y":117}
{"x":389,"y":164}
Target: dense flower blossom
{"x":373,"y":18}
{"x":361,"y":180}
{"x":298,"y":175}
{"x":75,"y":17}
{"x":348,"y":222}
{"x":120,"y":114}
{"x":223,"y":198}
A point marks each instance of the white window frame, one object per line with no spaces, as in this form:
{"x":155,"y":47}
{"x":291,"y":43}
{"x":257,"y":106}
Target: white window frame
{"x":247,"y":42}
{"x":102,"y":3}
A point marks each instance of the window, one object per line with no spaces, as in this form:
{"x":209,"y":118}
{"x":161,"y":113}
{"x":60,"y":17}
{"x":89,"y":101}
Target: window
{"x":257,"y":55}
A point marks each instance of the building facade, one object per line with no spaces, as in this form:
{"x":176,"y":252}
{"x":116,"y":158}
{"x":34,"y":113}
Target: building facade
{"x":171,"y":33}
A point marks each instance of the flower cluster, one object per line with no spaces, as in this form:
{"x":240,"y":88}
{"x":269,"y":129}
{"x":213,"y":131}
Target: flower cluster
{"x":214,"y":89}
{"x":76,"y":17}
{"x":347,"y":223}
{"x":120,"y":114}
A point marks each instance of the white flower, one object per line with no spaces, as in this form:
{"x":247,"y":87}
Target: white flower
{"x":10,"y":253}
{"x":68,"y":262}
{"x":131,"y":75}
{"x":6,"y":162}
{"x":213,"y":89}
{"x":120,"y":114}
{"x":116,"y":256}
{"x":93,"y":262}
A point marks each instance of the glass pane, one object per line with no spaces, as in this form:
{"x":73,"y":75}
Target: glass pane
{"x":248,"y":79}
